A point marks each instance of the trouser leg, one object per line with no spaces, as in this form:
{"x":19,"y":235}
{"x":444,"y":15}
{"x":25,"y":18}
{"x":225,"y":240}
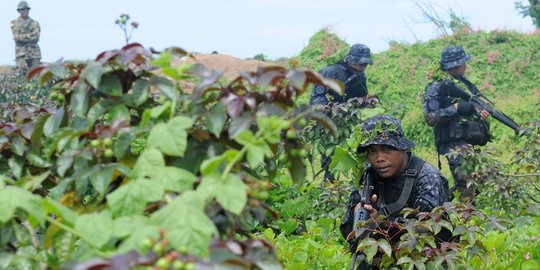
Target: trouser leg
{"x":460,"y":179}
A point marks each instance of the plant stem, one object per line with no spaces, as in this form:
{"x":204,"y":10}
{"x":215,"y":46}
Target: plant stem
{"x":74,"y":232}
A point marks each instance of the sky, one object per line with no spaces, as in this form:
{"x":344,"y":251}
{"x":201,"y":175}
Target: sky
{"x":81,"y":29}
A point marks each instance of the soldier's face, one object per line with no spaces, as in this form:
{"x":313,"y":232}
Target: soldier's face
{"x":387,"y":161}
{"x":458,"y":71}
{"x":24,"y":12}
{"x":359,"y":68}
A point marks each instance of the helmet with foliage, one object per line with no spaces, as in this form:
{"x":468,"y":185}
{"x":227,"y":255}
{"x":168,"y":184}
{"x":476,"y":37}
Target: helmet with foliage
{"x":453,"y":56}
{"x":384,"y":129}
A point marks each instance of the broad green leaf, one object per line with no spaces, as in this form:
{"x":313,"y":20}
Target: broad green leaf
{"x":148,"y":163}
{"x":403,"y":260}
{"x":163,"y":60}
{"x":18,"y":146}
{"x":135,"y":240}
{"x":385,"y":247}
{"x":16,"y":165}
{"x":216,"y":118}
{"x":370,"y":112}
{"x":79,"y":101}
{"x":166,"y":87}
{"x":92,"y":73}
{"x":160,"y":110}
{"x":37,"y":160}
{"x":119,"y":112}
{"x":132,"y":198}
{"x":170,"y":138}
{"x":101,"y":177}
{"x":186,"y":223}
{"x":216,"y":164}
{"x":239,"y":124}
{"x":59,"y":210}
{"x":98,"y":110}
{"x":12,"y":198}
{"x":95,"y":228}
{"x":369,"y":247}
{"x":343,"y":161}
{"x":140,"y":92}
{"x":127,"y":225}
{"x":122,"y":144}
{"x":110,"y":85}
{"x":230,"y":192}
{"x":176,"y":179}
{"x":33,"y":182}
{"x":53,"y":122}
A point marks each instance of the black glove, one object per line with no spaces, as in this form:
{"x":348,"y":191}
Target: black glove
{"x":465,"y":108}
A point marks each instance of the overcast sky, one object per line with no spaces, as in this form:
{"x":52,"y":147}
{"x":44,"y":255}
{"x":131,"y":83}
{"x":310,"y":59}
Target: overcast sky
{"x":77,"y":29}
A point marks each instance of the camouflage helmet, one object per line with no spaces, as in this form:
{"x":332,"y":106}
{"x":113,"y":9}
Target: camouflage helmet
{"x":453,"y":56}
{"x":359,"y":54}
{"x":23,"y":5}
{"x":384,"y":129}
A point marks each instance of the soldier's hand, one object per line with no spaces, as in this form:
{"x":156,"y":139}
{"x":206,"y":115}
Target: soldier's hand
{"x":483,"y":114}
{"x":372,"y":211}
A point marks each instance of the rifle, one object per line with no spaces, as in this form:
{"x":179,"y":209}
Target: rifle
{"x":362,"y":214}
{"x":481,"y":102}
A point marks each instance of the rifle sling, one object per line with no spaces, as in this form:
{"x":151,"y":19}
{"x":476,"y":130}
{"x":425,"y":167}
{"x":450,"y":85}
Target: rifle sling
{"x":414,"y":167}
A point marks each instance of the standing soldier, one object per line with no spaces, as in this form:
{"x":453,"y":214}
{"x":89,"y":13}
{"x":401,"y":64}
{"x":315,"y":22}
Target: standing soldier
{"x":26,"y":35}
{"x":350,"y":71}
{"x":457,"y":122}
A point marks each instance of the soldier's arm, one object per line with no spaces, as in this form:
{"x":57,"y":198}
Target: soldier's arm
{"x":432,"y":189}
{"x":33,"y":35}
{"x":434,"y":112}
{"x":319,"y":92}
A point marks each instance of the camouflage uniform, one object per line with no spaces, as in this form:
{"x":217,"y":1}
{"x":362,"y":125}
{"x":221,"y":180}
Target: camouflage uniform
{"x":26,"y":34}
{"x":447,"y":120}
{"x":430,"y":188}
{"x":355,"y":83}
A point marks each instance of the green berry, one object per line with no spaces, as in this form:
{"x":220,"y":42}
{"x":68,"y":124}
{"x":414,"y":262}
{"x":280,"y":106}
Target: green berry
{"x":177,"y":265}
{"x":94,"y":143}
{"x":302,"y":153}
{"x":189,"y":266}
{"x":107,"y":142}
{"x":158,"y":249}
{"x":148,"y":243}
{"x":302,"y":122}
{"x":291,"y":134}
{"x":108,"y":153}
{"x":163,"y":263}
{"x":183,"y":249}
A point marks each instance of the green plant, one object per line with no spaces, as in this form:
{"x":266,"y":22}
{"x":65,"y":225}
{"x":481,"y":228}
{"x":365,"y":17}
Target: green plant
{"x":122,"y":22}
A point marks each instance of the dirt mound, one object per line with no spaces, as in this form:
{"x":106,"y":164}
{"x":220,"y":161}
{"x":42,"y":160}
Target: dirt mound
{"x":229,"y":65}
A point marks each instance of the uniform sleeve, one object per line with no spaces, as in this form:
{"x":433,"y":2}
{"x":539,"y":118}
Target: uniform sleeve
{"x":319,"y":94}
{"x":431,"y":189}
{"x":32,"y":36}
{"x":435,"y":111}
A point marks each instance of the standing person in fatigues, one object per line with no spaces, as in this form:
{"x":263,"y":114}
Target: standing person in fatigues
{"x":26,"y":35}
{"x":456,"y":122}
{"x":350,"y":71}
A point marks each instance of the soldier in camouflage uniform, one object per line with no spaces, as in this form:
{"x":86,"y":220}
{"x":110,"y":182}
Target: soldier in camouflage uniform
{"x":391,"y":165}
{"x":351,"y":71}
{"x":26,"y":35}
{"x":456,"y":122}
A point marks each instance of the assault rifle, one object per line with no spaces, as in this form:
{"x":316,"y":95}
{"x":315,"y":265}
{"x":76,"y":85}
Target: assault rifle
{"x":481,"y":102}
{"x":362,"y":214}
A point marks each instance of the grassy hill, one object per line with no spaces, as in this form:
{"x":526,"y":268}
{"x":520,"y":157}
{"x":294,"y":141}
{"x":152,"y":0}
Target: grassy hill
{"x":505,"y":66}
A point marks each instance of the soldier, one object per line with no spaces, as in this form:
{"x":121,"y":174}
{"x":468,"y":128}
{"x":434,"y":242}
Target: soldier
{"x":399,"y":178}
{"x":456,"y":122}
{"x":351,"y":71}
{"x":26,"y":35}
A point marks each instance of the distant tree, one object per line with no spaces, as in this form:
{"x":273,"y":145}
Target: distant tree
{"x":261,"y":57}
{"x":533,"y":10}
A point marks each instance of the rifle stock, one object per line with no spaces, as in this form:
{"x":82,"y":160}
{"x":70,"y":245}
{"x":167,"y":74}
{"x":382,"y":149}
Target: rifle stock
{"x":454,"y":91}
